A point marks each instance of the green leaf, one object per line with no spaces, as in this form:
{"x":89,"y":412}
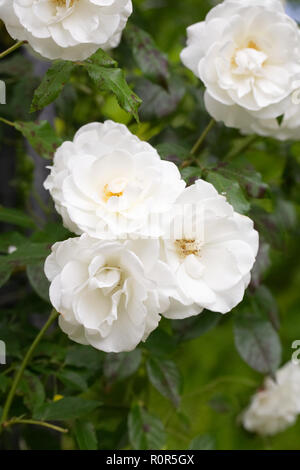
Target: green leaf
{"x":193,"y":327}
{"x":38,"y":280}
{"x":250,"y":180}
{"x":269,"y":226}
{"x":51,"y":233}
{"x":231,"y":189}
{"x":15,"y":217}
{"x":113,"y":79}
{"x":262,"y":263}
{"x":266,"y":302}
{"x":73,"y":379}
{"x":20,"y":100}
{"x":84,"y":357}
{"x":190,"y":173}
{"x":166,"y":378}
{"x":152,"y":62}
{"x":86,"y":436}
{"x":11,"y":239}
{"x":257,"y":342}
{"x":6,"y":270}
{"x":33,"y":390}
{"x":204,"y":442}
{"x":120,"y":366}
{"x":41,"y":137}
{"x":52,"y":84}
{"x":157,"y":101}
{"x":29,"y":253}
{"x":65,"y":409}
{"x":101,"y":58}
{"x":173,"y":152}
{"x":146,"y":432}
{"x":160,"y":343}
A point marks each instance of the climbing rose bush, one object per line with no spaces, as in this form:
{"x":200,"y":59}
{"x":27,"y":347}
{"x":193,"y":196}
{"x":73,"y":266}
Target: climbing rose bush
{"x":66,"y":29}
{"x":116,"y":279}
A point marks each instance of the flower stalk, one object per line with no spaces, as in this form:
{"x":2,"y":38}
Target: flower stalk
{"x":202,"y":137}
{"x":12,"y":49}
{"x":34,"y":422}
{"x":20,"y":371}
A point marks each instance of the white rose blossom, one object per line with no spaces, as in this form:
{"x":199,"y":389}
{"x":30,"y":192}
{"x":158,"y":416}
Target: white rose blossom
{"x":109,"y":184}
{"x":109,"y":293}
{"x":247,"y":53}
{"x":66,"y":29}
{"x":276,"y":406}
{"x":286,"y":128}
{"x":210,"y":248}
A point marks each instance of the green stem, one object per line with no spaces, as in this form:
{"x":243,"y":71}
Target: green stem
{"x":202,"y":137}
{"x":35,"y":423}
{"x":12,"y":48}
{"x":9,"y":123}
{"x":8,"y":370}
{"x":20,"y":371}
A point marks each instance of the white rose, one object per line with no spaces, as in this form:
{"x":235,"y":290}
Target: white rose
{"x":109,"y":294}
{"x":247,"y":53}
{"x":276,"y":5}
{"x":276,"y":406}
{"x":210,"y":249}
{"x":66,"y":29}
{"x":239,"y":118}
{"x":109,"y":184}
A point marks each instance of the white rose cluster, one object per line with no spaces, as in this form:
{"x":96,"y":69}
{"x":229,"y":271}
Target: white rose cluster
{"x":66,"y":29}
{"x":276,"y":406}
{"x":148,"y":246}
{"x":247,"y":53}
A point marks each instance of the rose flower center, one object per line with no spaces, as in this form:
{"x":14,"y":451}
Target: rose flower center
{"x":115,"y":188}
{"x":187,"y":247}
{"x":248,"y":60}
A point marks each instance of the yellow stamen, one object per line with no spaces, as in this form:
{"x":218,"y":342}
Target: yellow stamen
{"x":253,"y":45}
{"x":64,"y":3}
{"x":186,"y":247}
{"x":108,"y":194}
{"x":250,"y":45}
